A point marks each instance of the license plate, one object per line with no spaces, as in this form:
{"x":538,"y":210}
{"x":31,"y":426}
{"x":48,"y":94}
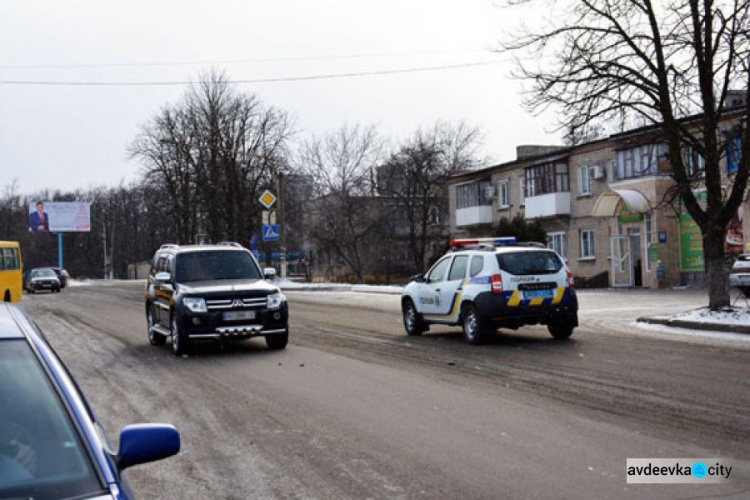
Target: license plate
{"x":238,"y":315}
{"x":536,"y":294}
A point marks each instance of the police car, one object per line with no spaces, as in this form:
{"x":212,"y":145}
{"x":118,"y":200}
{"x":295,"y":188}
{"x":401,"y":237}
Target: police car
{"x":487,"y":283}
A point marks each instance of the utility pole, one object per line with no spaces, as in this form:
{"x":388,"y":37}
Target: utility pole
{"x":105,"y":249}
{"x":282,"y":229}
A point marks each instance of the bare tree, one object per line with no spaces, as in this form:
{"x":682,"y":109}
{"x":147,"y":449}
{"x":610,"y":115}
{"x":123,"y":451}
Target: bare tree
{"x":612,"y":60}
{"x":345,"y":215}
{"x":214,"y":151}
{"x":414,"y":179}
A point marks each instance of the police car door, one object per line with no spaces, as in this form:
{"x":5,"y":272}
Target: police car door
{"x":451,"y":288}
{"x":429,"y":291}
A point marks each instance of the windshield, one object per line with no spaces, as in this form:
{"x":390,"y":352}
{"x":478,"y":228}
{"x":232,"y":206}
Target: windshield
{"x":216,"y":265}
{"x":524,"y":263}
{"x":43,"y":273}
{"x":41,"y":455}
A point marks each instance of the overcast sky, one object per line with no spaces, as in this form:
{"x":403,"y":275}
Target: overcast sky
{"x":66,"y":137}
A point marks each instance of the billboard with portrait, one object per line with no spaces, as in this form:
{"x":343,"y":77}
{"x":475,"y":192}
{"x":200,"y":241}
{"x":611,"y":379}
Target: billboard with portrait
{"x":60,"y":216}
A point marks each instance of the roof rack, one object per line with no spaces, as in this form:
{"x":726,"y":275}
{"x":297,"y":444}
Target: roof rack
{"x":491,"y":243}
{"x":534,"y":244}
{"x":229,"y":244}
{"x":168,"y":245}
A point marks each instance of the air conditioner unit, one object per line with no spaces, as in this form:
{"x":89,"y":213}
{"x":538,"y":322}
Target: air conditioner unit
{"x":597,"y":172}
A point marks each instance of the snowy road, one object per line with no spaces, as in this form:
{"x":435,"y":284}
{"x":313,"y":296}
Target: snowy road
{"x":355,"y":409}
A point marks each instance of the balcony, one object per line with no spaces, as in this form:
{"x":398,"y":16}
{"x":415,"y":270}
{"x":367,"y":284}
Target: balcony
{"x":480,"y":214}
{"x":548,"y":205}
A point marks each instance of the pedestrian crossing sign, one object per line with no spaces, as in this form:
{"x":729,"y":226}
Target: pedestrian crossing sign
{"x":271,"y":232}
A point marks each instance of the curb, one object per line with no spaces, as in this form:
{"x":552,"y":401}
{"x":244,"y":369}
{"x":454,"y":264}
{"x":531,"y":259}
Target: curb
{"x":317,"y":288}
{"x":341,"y":288}
{"x":695,"y":325}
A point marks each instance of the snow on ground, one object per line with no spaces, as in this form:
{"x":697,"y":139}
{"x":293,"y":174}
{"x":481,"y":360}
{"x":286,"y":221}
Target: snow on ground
{"x":676,"y":332}
{"x":729,"y":316}
{"x":101,"y":282}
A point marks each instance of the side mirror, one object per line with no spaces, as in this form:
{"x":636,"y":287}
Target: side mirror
{"x":163,"y":277}
{"x":269,"y":273}
{"x":419,"y":278}
{"x":142,"y":443}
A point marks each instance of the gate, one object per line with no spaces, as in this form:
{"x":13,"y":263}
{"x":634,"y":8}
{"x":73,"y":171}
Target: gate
{"x":621,"y":261}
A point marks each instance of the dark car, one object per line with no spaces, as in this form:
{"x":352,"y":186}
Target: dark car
{"x":40,"y":279}
{"x":212,"y":292}
{"x":51,"y":444}
{"x":62,"y":275}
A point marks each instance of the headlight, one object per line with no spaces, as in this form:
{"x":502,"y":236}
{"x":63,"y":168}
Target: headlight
{"x":275,"y":300}
{"x":195,"y":304}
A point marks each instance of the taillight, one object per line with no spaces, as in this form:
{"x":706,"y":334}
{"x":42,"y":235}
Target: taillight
{"x":571,"y":281}
{"x":497,"y":284}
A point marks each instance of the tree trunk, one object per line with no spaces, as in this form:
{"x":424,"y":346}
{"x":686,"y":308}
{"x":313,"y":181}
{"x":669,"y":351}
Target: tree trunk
{"x":716,"y":273}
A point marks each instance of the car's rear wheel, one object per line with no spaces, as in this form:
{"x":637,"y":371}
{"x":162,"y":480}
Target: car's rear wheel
{"x":475,"y":332}
{"x":154,"y":338}
{"x":560,"y":331}
{"x":745,"y":291}
{"x":277,"y":341}
{"x":413,"y":322}
{"x":180,"y":340}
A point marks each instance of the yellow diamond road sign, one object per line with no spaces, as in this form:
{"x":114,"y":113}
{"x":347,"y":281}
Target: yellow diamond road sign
{"x":267,"y":199}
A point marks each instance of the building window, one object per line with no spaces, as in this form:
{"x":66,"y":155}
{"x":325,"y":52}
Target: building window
{"x":473,"y":194}
{"x":694,"y":161}
{"x":586,"y":179}
{"x":521,"y":190}
{"x":547,"y":178}
{"x":587,"y":243}
{"x":734,"y":154}
{"x":503,"y":194}
{"x":639,"y":161}
{"x":556,"y":241}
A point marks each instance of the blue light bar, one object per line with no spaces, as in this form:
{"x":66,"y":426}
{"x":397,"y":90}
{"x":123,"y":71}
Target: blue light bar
{"x":507,"y":240}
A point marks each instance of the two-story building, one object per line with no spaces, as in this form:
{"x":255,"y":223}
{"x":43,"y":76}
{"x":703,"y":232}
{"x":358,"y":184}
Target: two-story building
{"x":602,"y":205}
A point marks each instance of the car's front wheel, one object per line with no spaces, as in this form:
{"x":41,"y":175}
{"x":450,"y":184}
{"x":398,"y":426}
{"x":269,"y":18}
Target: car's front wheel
{"x":180,"y":340}
{"x":475,"y":332}
{"x":413,"y":322}
{"x":277,"y":341}
{"x":154,"y":338}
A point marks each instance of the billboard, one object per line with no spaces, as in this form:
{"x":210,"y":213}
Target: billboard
{"x":691,"y":239}
{"x":60,"y":216}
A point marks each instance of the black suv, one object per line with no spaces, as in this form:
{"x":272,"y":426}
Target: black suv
{"x":212,"y":292}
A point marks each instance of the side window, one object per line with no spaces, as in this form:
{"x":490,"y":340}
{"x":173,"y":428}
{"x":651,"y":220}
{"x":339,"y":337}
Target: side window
{"x":8,"y":259}
{"x":477,"y":264}
{"x":162,"y":264}
{"x":458,"y":269}
{"x":437,"y":273}
{"x":16,"y":260}
{"x":168,"y":266}
{"x":155,"y":264}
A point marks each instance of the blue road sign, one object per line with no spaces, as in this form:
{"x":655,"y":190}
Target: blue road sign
{"x":271,"y":232}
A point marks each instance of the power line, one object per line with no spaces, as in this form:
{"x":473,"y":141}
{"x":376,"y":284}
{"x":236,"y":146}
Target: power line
{"x":259,"y":80}
{"x":261,"y":60}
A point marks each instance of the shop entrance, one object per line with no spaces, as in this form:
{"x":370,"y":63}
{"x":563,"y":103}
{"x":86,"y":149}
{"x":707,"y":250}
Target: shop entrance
{"x":635,"y":248}
{"x":621,"y":261}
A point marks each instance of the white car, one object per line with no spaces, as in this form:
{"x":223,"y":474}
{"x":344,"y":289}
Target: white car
{"x":739,"y":277}
{"x":487,"y":283}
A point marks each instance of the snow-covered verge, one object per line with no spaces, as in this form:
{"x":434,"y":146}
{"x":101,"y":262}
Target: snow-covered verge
{"x":87,"y":282}
{"x":286,"y":284}
{"x":730,"y":319}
